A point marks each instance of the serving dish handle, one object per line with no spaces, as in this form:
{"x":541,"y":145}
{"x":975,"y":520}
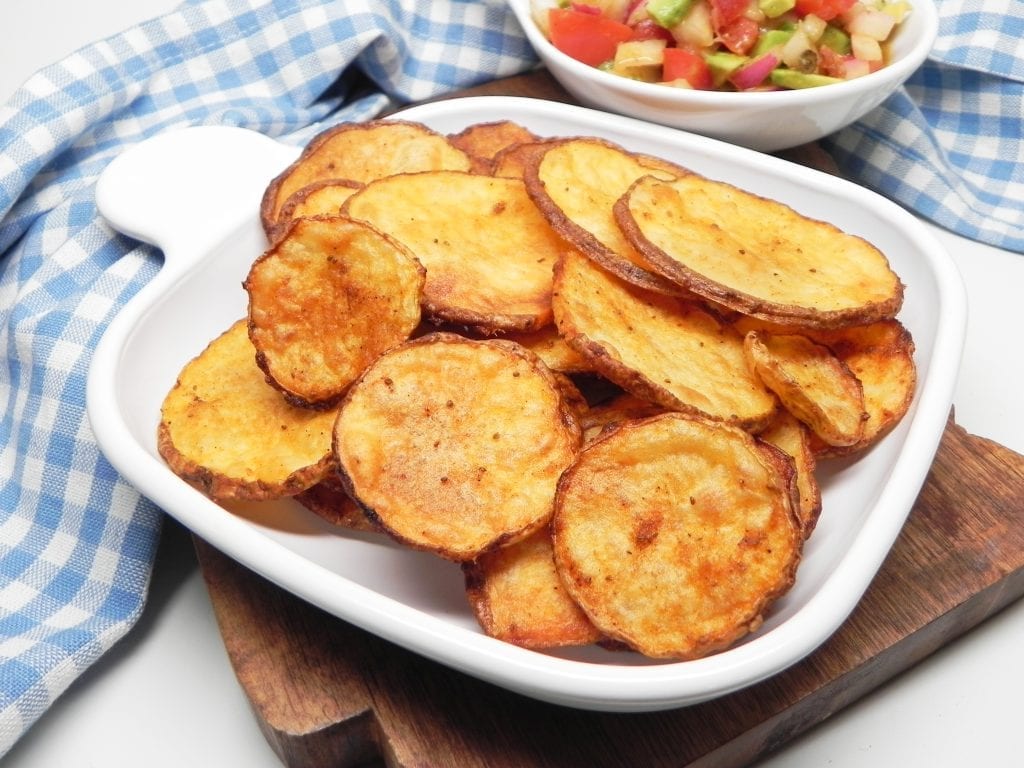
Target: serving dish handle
{"x":180,"y":190}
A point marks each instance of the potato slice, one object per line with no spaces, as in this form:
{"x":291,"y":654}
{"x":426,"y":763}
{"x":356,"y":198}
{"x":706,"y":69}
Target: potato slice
{"x":575,"y":183}
{"x":227,"y":432}
{"x":757,"y":256}
{"x":517,"y":596}
{"x":547,"y":344}
{"x":328,"y":297}
{"x":813,"y":384}
{"x":488,"y":253}
{"x":361,"y":152}
{"x":513,"y":161}
{"x":675,"y":534}
{"x":321,"y":197}
{"x":483,"y":141}
{"x":612,"y":412}
{"x":792,"y":436}
{"x":881,"y":356}
{"x":328,"y":501}
{"x":453,"y":445}
{"x":659,"y":348}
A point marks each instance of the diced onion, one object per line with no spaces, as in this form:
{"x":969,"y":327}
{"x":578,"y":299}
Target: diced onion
{"x":613,"y":9}
{"x":798,"y":52}
{"x":854,"y":68}
{"x":753,"y":74}
{"x":696,"y":28}
{"x":865,"y":48}
{"x":813,"y":26}
{"x":874,"y":24}
{"x":639,"y":59}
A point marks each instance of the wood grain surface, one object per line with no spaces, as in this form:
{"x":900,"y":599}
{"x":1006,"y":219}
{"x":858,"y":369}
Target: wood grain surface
{"x":326,"y":693}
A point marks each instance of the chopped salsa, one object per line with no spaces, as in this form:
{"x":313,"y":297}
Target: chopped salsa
{"x":730,"y":45}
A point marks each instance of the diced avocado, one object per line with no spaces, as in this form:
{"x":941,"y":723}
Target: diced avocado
{"x":774,"y":8}
{"x":836,"y":39}
{"x":668,"y":13}
{"x":773,"y":38}
{"x":790,"y":78}
{"x":722,"y":64}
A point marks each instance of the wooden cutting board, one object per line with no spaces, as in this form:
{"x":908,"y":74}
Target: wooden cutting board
{"x":326,"y":693}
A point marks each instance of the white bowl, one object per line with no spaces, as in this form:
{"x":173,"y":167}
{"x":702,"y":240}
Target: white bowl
{"x":765,"y":121}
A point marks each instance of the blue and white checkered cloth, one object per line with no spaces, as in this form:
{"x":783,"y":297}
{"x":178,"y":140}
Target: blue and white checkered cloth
{"x":76,"y":542}
{"x":948,"y":145}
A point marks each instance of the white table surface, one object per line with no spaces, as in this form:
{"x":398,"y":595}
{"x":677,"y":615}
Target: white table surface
{"x":166,"y":695}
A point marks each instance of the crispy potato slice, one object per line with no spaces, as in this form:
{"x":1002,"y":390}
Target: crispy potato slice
{"x":321,"y":197}
{"x":792,"y":436}
{"x":716,"y":240}
{"x":227,"y":432}
{"x":488,"y":253}
{"x":453,"y":445}
{"x":328,"y":297}
{"x":813,"y":384}
{"x":547,"y":344}
{"x":675,"y":534}
{"x":881,"y":356}
{"x":361,"y":152}
{"x":575,"y":183}
{"x":611,"y":412}
{"x":328,"y":501}
{"x":660,"y":348}
{"x":517,"y":596}
{"x":572,"y":397}
{"x":512,"y":161}
{"x":483,"y":141}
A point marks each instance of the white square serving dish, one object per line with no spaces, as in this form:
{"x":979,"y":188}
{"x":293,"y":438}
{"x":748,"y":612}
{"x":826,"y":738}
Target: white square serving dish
{"x":194,"y":193}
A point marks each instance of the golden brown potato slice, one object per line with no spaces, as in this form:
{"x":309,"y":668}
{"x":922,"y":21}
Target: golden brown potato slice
{"x":328,"y":500}
{"x":792,"y":436}
{"x":813,"y":384}
{"x":660,"y":348}
{"x":512,"y":161}
{"x":488,"y":253}
{"x":575,"y":183}
{"x":611,"y":412}
{"x":518,"y":596}
{"x":361,"y":152}
{"x":757,"y":256}
{"x":321,"y":197}
{"x":547,"y":344}
{"x":881,"y":356}
{"x":675,"y":534}
{"x":227,"y":432}
{"x":328,"y":297}
{"x":454,"y":446}
{"x":483,"y":141}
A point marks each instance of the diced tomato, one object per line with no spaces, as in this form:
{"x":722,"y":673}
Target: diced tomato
{"x":724,"y":12}
{"x":648,"y":29}
{"x":740,"y":35}
{"x":584,"y":36}
{"x":830,"y":63}
{"x":683,"y":64}
{"x":823,"y":9}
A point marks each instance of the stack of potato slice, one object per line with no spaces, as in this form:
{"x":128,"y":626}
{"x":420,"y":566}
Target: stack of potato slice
{"x":599,"y":382}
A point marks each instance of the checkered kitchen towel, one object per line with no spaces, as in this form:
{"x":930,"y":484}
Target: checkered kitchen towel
{"x":949,"y":145}
{"x":76,"y":542}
